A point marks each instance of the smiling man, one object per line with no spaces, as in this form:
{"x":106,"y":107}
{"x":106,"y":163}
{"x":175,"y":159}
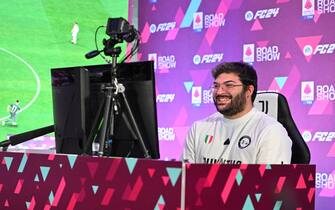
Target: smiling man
{"x":237,"y":133}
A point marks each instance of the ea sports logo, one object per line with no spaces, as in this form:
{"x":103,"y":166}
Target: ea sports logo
{"x":308,"y":50}
{"x":196,"y":59}
{"x":153,"y":28}
{"x":307,"y":136}
{"x":249,"y":16}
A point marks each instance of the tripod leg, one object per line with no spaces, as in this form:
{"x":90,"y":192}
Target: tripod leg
{"x":104,"y":128}
{"x":111,"y":117}
{"x":138,"y":133}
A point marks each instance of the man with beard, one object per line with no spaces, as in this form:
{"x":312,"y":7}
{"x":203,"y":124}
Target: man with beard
{"x":237,"y":133}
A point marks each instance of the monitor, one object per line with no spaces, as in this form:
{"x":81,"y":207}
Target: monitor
{"x":78,"y":93}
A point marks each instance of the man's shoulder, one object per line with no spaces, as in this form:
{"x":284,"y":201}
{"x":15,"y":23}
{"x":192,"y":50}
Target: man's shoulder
{"x":264,"y":116}
{"x":265,"y":120}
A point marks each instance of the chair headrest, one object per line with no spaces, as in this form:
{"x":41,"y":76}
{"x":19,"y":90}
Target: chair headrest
{"x":264,"y":101}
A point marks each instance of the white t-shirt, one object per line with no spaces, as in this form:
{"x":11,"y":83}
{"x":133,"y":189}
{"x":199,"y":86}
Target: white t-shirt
{"x":254,"y":138}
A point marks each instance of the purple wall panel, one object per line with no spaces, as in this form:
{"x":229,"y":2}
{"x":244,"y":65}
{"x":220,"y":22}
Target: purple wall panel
{"x":290,"y":43}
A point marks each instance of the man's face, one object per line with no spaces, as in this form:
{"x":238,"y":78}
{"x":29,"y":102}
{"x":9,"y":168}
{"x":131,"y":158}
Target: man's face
{"x":228,"y":94}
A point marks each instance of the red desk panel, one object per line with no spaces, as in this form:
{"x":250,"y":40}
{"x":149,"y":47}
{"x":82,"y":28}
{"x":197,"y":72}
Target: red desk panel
{"x":250,"y":186}
{"x":41,"y":181}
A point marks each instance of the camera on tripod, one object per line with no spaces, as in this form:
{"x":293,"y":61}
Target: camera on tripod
{"x":121,"y":29}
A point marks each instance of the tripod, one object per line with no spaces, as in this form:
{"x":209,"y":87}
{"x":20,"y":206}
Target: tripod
{"x":109,"y":108}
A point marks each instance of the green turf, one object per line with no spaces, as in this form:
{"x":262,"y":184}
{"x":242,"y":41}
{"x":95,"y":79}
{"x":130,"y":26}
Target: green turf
{"x":35,"y":37}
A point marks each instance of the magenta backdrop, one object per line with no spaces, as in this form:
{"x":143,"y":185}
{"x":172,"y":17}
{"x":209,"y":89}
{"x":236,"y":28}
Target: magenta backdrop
{"x":290,"y":43}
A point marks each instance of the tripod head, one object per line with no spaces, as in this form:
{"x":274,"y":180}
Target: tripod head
{"x":110,"y":48}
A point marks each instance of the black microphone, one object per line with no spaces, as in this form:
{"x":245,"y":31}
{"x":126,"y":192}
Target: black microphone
{"x":92,"y":54}
{"x":26,"y":136}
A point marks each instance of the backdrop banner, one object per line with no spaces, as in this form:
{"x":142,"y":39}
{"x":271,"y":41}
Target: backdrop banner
{"x":291,"y":44}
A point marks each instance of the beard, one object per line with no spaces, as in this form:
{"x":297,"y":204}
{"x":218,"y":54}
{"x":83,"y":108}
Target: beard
{"x":236,"y":105}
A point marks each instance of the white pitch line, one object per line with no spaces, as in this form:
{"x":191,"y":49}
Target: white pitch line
{"x":38,"y":83}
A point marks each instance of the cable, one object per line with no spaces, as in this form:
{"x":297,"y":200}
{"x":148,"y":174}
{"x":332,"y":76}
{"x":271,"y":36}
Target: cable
{"x":134,"y":48}
{"x":96,"y":42}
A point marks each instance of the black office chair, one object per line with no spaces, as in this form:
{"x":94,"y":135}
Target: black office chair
{"x":275,"y":105}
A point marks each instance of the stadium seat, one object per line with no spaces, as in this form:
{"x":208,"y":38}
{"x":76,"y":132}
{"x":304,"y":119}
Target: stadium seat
{"x":275,"y":105}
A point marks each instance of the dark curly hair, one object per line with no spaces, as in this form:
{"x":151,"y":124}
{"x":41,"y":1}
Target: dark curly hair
{"x":246,"y":72}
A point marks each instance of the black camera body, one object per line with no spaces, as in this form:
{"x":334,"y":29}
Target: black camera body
{"x":120,"y":28}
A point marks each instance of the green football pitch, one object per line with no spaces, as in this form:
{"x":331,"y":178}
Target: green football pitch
{"x":35,"y":36}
